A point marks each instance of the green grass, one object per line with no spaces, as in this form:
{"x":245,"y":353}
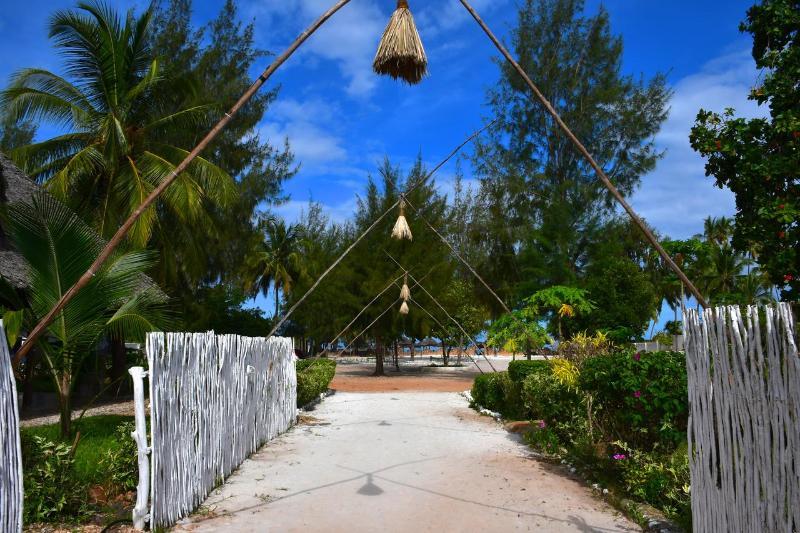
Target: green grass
{"x":97,"y":437}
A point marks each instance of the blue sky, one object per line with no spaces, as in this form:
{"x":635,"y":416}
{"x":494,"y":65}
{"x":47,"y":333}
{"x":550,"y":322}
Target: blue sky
{"x":341,"y":120}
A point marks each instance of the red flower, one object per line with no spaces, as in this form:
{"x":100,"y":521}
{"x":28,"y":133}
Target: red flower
{"x":781,"y":206}
{"x":781,"y":234}
{"x":718,"y":144}
{"x":787,"y":278}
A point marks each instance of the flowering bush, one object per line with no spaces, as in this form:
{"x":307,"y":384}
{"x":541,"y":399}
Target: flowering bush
{"x":639,"y":397}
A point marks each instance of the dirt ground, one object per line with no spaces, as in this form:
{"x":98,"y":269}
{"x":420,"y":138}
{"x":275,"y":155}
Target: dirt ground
{"x":359,"y":378}
{"x":400,"y":462}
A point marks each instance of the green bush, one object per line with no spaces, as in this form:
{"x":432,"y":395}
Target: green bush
{"x":120,"y":465}
{"x":561,"y":407}
{"x":519,"y":370}
{"x":488,"y":390}
{"x":639,"y":397}
{"x":313,"y":378}
{"x":662,"y":480}
{"x":52,"y":491}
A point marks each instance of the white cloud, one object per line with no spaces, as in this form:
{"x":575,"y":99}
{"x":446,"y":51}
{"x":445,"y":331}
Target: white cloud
{"x":307,"y":125}
{"x":677,"y":196}
{"x":293,"y":210}
{"x":349,"y":38}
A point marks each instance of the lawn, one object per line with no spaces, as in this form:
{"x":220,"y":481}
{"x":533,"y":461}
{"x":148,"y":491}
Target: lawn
{"x":97,"y":438}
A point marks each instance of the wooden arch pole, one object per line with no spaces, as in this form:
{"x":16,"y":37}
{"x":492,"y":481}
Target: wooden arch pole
{"x":582,"y":149}
{"x":126,"y":226}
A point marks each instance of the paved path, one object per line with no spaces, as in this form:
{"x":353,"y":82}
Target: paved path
{"x":400,"y":462}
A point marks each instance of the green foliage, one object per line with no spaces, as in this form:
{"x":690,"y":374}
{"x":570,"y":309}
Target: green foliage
{"x":119,"y":464}
{"x":559,"y":405}
{"x":518,"y":331}
{"x":582,"y":346}
{"x":52,"y":490}
{"x":662,"y":480}
{"x":641,"y":397}
{"x":313,"y":378}
{"x":497,"y":392}
{"x":540,"y":205}
{"x":519,"y":370}
{"x":119,"y":300}
{"x":221,"y":308}
{"x":757,"y":159}
{"x":624,"y":295}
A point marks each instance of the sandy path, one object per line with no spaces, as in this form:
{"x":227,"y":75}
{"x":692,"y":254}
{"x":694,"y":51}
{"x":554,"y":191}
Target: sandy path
{"x":400,"y":462}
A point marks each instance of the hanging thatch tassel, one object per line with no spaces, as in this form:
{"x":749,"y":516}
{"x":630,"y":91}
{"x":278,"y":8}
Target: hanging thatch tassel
{"x":405,"y":292}
{"x":400,"y":53}
{"x":404,"y":308}
{"x":401,"y":229}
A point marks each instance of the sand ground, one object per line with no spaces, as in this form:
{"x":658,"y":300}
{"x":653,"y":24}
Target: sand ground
{"x":400,"y":462}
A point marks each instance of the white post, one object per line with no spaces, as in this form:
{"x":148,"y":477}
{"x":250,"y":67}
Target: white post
{"x":140,"y":436}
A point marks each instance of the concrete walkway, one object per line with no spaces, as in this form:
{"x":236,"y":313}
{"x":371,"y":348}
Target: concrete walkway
{"x":404,"y":462}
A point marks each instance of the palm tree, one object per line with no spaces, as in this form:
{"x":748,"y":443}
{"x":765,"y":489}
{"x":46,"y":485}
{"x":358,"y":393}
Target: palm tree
{"x":119,"y":301}
{"x":277,"y":261}
{"x":723,"y":269}
{"x":718,"y":230}
{"x":118,"y":113}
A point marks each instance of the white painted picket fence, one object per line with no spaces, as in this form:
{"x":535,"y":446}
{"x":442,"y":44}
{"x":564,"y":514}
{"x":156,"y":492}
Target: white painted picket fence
{"x":214,"y":400}
{"x":10,"y":453}
{"x":744,"y":425}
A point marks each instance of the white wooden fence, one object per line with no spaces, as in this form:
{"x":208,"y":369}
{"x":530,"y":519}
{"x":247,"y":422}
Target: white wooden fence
{"x":214,"y":400}
{"x":10,"y":454}
{"x":744,"y":425}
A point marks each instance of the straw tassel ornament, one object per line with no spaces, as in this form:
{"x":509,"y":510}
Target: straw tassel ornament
{"x":400,"y":53}
{"x":401,"y":229}
{"x":404,"y":308}
{"x":405,"y":292}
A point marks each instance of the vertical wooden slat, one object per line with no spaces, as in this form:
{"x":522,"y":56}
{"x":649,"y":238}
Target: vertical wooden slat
{"x":744,"y":419}
{"x":214,"y":400}
{"x":10,"y":453}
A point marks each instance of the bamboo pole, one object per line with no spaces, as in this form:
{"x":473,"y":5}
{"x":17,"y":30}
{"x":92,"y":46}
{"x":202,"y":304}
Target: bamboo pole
{"x":126,"y":226}
{"x":582,"y":149}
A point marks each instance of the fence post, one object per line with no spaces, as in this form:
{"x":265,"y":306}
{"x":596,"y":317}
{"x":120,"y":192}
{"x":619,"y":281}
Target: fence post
{"x":140,"y":436}
{"x":11,"y":496}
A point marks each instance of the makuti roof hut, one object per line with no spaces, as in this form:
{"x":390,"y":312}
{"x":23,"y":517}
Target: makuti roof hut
{"x":15,"y":186}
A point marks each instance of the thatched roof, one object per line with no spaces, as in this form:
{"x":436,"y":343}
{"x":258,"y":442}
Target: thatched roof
{"x":14,"y":187}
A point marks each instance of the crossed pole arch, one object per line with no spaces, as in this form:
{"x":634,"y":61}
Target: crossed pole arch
{"x":123,"y":230}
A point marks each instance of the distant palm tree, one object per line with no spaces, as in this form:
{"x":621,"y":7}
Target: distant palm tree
{"x":718,"y":230}
{"x":118,"y":112}
{"x":277,"y":261}
{"x":754,"y":287}
{"x":119,"y":301}
{"x":723,"y":269}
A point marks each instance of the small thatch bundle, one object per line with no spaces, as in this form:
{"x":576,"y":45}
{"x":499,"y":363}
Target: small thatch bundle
{"x":400,"y":53}
{"x":405,"y":292}
{"x":401,"y":229}
{"x":404,"y":308}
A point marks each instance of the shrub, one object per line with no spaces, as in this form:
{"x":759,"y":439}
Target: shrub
{"x":52,"y":491}
{"x":488,"y":391}
{"x":120,"y":465}
{"x":519,"y":370}
{"x":662,"y":480}
{"x":559,"y":405}
{"x":640,"y":397}
{"x":313,"y":378}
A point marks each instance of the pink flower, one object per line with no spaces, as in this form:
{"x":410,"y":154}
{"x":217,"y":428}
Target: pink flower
{"x":619,"y":456}
{"x":637,"y":394}
{"x":637,"y":356}
{"x":542,"y":425}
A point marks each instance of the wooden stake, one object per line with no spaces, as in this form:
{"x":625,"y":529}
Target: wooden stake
{"x":126,"y":226}
{"x":582,"y":149}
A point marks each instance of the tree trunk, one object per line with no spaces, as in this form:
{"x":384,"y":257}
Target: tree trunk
{"x":64,"y":404}
{"x":460,"y":350}
{"x":119,"y":359}
{"x":396,"y":358}
{"x":27,"y":382}
{"x":276,"y":304}
{"x":378,"y":358}
{"x":445,"y":355}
